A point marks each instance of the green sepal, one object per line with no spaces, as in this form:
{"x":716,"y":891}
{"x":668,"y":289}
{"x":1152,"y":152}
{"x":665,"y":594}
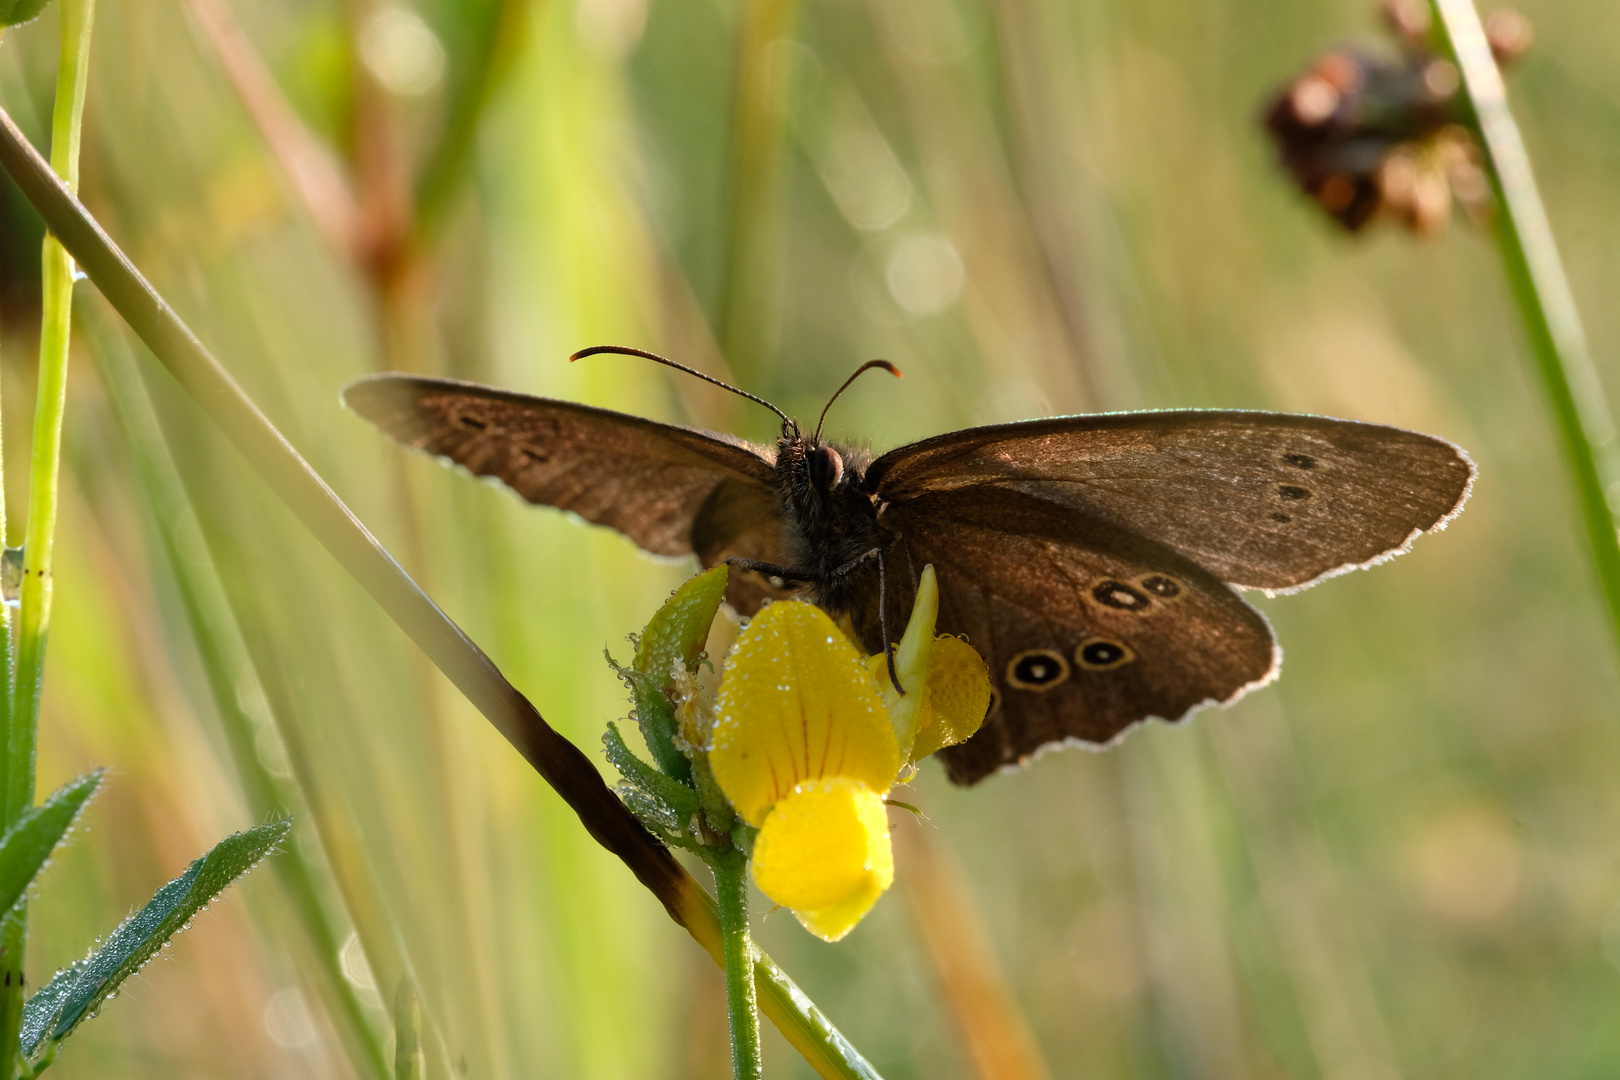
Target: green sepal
{"x":651,"y":811}
{"x":717,"y":811}
{"x":79,"y":990}
{"x":677,"y":632}
{"x":656,"y":715}
{"x":672,"y":793}
{"x":675,"y":635}
{"x":27,"y":845}
{"x":13,"y":12}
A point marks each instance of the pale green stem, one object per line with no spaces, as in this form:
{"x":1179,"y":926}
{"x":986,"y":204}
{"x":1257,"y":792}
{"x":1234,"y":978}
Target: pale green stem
{"x":731,"y":893}
{"x":1541,"y":288}
{"x":56,"y":286}
{"x":409,"y":1061}
{"x":56,"y":324}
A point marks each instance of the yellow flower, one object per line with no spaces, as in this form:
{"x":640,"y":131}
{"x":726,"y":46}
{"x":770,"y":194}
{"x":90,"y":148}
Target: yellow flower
{"x":810,"y":736}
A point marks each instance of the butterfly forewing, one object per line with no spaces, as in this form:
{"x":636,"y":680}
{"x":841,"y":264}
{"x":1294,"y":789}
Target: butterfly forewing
{"x":1087,"y":628}
{"x":672,"y":490}
{"x":1261,"y":500}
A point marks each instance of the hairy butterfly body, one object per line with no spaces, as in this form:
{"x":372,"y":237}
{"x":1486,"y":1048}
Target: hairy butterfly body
{"x":1089,"y":559}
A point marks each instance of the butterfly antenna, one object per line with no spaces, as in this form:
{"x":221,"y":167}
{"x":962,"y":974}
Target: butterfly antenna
{"x":625,"y":350}
{"x":868,"y":366}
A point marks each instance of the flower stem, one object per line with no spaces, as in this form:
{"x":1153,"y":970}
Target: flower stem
{"x":1536,"y":276}
{"x":731,"y":891}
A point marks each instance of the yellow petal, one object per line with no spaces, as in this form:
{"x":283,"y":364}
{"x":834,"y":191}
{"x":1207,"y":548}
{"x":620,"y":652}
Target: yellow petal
{"x":796,"y":705}
{"x":958,"y":697}
{"x":824,"y":852}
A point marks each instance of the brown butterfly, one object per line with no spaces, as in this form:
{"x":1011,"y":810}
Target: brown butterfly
{"x":1090,"y":559}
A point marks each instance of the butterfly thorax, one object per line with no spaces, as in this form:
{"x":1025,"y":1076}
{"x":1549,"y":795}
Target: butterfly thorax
{"x":829,"y":521}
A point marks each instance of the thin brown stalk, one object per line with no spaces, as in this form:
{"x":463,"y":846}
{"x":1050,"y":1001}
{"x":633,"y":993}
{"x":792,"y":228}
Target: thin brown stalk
{"x":308,"y":164}
{"x":988,"y":1018}
{"x":562,"y":764}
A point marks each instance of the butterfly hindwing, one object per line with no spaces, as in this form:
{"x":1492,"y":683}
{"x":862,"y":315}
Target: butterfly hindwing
{"x":1086,"y":628}
{"x":1261,"y":500}
{"x":741,"y":519}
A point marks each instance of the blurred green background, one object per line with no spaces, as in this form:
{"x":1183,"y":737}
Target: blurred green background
{"x":1402,"y":860}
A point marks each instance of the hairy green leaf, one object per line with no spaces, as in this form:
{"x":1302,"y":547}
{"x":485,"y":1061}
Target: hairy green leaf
{"x":27,"y":845}
{"x":79,"y":990}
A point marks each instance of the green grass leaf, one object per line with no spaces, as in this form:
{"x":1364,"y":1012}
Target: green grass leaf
{"x":79,"y":991}
{"x":28,"y":844}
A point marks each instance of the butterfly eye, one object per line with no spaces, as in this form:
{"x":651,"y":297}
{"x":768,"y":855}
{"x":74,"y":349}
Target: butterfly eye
{"x":826,"y":467}
{"x":1103,"y":654}
{"x":1037,"y":669}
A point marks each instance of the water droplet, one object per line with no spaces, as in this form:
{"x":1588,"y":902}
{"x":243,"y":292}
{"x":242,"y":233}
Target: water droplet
{"x":11,"y":576}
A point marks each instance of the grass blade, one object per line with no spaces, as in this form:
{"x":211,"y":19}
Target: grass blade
{"x":1536,"y":276}
{"x":225,"y":667}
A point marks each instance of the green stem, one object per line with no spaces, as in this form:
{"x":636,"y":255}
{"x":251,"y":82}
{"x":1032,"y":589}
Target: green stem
{"x":561,"y":764}
{"x":731,"y":891}
{"x":34,"y":612}
{"x":499,"y":44}
{"x":13,"y":947}
{"x":409,"y":1061}
{"x":1536,"y":275}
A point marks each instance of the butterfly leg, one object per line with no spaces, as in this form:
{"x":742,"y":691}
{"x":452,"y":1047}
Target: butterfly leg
{"x":883,"y":621}
{"x":883,"y":605}
{"x":786,"y":574}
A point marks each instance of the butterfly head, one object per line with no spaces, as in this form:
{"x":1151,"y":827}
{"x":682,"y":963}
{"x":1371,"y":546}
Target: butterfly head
{"x":823,"y":465}
{"x":806,"y":467}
